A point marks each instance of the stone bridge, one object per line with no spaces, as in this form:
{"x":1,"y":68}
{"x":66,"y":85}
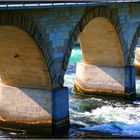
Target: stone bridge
{"x":35,"y":47}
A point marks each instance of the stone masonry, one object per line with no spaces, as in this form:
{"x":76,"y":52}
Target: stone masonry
{"x":54,"y":31}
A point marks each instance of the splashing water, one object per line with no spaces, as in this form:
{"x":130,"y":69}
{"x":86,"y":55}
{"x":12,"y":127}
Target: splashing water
{"x":99,"y":114}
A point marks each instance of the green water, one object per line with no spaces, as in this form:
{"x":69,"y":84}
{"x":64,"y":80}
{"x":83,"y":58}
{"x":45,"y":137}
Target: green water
{"x":76,"y":56}
{"x":93,"y":112}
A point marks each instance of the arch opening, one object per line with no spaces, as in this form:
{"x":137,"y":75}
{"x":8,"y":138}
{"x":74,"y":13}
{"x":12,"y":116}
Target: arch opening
{"x":102,"y":67}
{"x":106,"y":62}
{"x":100,"y":44}
{"x":21,"y":61}
{"x":137,"y":66}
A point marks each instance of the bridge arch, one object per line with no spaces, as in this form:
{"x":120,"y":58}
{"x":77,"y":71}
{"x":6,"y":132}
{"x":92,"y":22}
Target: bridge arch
{"x":105,"y":12}
{"x":23,"y":21}
{"x":21,"y":61}
{"x":100,"y":44}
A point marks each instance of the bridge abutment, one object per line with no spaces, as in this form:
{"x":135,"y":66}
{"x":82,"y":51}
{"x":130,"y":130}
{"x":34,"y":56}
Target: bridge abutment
{"x":25,"y":108}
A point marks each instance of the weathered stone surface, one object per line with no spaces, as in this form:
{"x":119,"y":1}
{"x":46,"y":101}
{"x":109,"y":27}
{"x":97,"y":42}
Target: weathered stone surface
{"x":100,"y":43}
{"x":56,"y":30}
{"x":100,"y":79}
{"x":21,"y":61}
{"x":27,"y":108}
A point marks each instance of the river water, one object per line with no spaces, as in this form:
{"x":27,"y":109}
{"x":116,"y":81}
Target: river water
{"x":101,"y":116}
{"x":92,"y":117}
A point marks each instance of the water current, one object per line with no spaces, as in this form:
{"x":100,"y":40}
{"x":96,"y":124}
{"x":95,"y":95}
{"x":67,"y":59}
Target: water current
{"x":103,"y":115}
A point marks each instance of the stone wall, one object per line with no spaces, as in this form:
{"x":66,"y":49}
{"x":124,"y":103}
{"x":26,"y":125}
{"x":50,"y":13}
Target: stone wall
{"x":55,"y":31}
{"x":33,"y":107}
{"x":137,"y":57}
{"x":22,"y":105}
{"x":56,"y":26}
{"x":100,"y":79}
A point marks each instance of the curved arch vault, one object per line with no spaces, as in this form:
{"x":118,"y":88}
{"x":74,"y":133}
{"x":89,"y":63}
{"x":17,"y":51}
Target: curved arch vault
{"x":25,"y":96}
{"x":100,"y":44}
{"x":102,"y":69}
{"x":21,"y":61}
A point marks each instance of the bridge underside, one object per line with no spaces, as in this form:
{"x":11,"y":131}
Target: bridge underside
{"x":26,"y":96}
{"x":21,"y":61}
{"x":100,"y":43}
{"x":102,"y":70}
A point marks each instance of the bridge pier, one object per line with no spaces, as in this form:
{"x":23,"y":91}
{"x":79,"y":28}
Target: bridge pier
{"x":100,"y":79}
{"x":34,"y":109}
{"x":105,"y":79}
{"x":130,"y":85}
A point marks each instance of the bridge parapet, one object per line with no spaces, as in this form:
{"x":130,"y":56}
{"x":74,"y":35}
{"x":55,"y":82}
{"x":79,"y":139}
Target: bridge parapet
{"x":33,"y":4}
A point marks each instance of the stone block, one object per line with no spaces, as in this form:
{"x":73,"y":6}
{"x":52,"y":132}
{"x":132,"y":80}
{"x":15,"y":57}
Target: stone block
{"x":60,"y":111}
{"x":100,"y":79}
{"x":34,"y":107}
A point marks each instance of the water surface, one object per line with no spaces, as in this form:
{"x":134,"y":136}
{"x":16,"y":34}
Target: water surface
{"x":107,"y":116}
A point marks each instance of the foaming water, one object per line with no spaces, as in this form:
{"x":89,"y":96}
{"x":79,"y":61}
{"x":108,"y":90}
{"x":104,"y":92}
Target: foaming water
{"x":100,"y":115}
{"x":113,"y":117}
{"x":99,"y":111}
